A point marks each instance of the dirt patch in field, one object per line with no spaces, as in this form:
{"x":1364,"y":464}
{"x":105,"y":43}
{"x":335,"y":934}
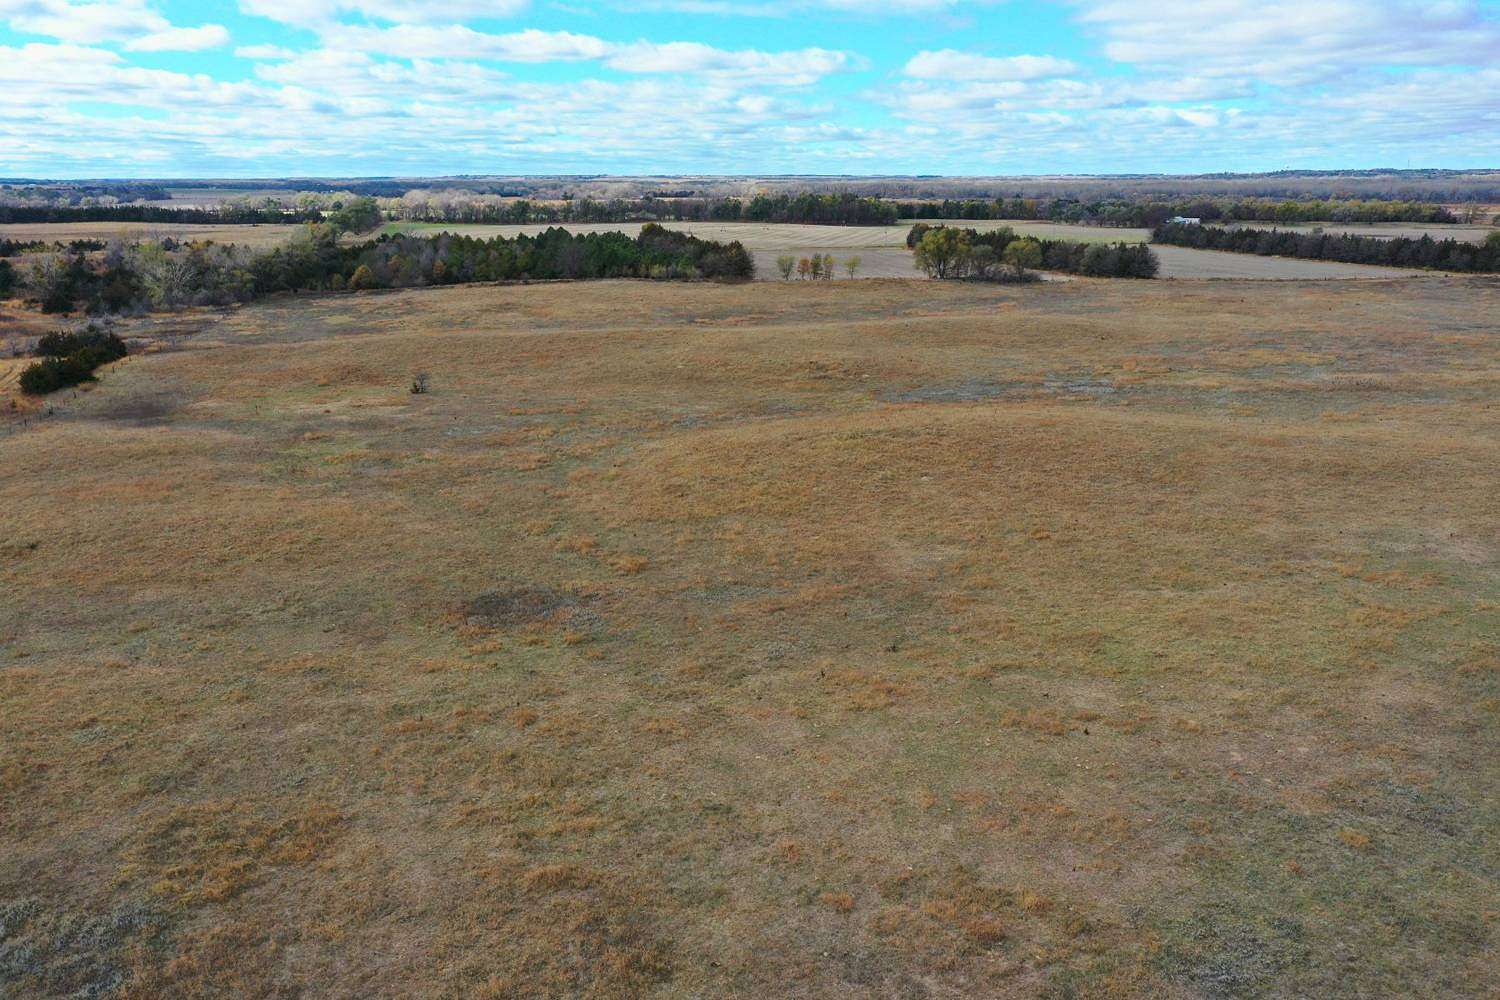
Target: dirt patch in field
{"x":522,"y":606}
{"x":139,"y":407}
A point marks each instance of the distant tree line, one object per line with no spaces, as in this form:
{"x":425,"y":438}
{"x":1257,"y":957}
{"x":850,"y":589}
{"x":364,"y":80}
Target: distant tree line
{"x":1149,"y":214}
{"x":77,"y":193}
{"x":807,"y":207}
{"x":147,"y":276}
{"x":1002,"y":255}
{"x":228,"y":214}
{"x":1425,"y":252}
{"x":1467,"y":187}
{"x":1428,"y":186}
{"x":835,"y":209}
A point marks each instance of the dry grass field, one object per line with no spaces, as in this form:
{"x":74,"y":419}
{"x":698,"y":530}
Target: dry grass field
{"x":898,"y":639}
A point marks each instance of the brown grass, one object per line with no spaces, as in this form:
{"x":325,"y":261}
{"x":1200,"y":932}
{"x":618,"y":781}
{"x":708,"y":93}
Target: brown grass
{"x":897,"y":639}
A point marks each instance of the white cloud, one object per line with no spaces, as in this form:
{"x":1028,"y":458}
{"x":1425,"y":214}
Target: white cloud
{"x":132,"y":22}
{"x":457,"y":41}
{"x":314,"y":12}
{"x":949,"y":64}
{"x":796,"y":68}
{"x":1293,"y":40}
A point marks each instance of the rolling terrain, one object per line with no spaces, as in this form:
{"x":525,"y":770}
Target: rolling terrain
{"x":1091,"y":639}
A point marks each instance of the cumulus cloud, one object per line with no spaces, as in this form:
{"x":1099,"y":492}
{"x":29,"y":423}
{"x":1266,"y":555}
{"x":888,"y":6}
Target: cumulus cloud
{"x":949,"y":64}
{"x":457,"y":41}
{"x":132,"y":22}
{"x":1293,"y":40}
{"x":795,"y":68}
{"x":314,"y":12}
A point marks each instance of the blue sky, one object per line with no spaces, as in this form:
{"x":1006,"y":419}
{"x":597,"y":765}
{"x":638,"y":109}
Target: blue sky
{"x":247,"y":88}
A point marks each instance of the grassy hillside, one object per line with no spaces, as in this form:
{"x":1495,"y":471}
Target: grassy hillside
{"x":890,"y":638}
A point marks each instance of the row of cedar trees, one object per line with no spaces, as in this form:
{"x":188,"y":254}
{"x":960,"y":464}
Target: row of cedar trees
{"x":144,"y":277}
{"x":1001,"y":255}
{"x":14,"y":248}
{"x":1426,"y":252}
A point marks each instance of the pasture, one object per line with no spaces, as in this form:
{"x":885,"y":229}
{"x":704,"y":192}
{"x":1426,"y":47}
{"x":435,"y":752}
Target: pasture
{"x":1091,"y":639}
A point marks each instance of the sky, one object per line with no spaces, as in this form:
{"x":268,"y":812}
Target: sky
{"x":346,"y":88}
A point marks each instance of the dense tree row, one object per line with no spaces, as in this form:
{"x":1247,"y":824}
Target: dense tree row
{"x":1426,"y":252}
{"x":147,"y":276}
{"x":657,"y":253}
{"x":1002,"y":255}
{"x":1149,"y":214}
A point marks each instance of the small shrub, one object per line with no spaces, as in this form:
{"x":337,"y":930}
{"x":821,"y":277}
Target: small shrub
{"x":361,"y":279}
{"x":61,"y":344}
{"x":839,"y":902}
{"x":51,"y":374}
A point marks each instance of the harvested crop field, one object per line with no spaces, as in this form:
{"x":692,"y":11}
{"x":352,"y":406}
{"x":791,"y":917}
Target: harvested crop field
{"x":1186,"y":262}
{"x":1092,"y":639}
{"x":1388,"y":230}
{"x":883,"y":253}
{"x":249,"y":235}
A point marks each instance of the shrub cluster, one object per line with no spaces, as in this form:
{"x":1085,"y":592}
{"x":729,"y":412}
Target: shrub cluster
{"x":1426,"y":252}
{"x":70,"y":358}
{"x":1002,"y":255}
